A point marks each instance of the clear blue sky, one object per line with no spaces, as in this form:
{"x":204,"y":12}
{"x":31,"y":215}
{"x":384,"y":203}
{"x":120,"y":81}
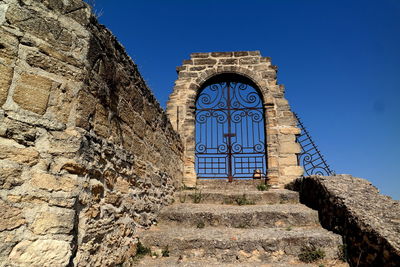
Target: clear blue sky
{"x":339,"y":61}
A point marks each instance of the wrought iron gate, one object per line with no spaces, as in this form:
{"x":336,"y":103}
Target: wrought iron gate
{"x":230,"y":133}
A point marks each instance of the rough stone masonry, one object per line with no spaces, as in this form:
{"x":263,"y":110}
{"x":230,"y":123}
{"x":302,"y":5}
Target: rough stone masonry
{"x":280,"y":123}
{"x":87,"y":155}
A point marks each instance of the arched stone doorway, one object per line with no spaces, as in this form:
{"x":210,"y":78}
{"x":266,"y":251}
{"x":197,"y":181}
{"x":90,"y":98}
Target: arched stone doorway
{"x":230,"y":129}
{"x":280,"y":124}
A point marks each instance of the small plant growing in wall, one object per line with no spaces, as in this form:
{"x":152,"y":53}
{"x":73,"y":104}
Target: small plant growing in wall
{"x":141,"y":251}
{"x":242,"y":200}
{"x":197,"y":197}
{"x":184,"y":187}
{"x":165,"y":252}
{"x":263,"y":187}
{"x":311,"y":254}
{"x":201,"y":225}
{"x":342,"y":252}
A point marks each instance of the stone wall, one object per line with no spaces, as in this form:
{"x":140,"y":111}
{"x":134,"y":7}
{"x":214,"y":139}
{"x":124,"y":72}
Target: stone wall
{"x":87,"y":155}
{"x":281,"y":126}
{"x":368,"y":221}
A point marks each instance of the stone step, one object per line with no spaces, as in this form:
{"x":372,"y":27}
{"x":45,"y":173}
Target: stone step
{"x":249,"y":216}
{"x":223,"y":184}
{"x":230,"y":244}
{"x":232,"y":197}
{"x":157,"y":261}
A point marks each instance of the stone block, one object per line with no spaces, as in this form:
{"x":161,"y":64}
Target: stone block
{"x":73,"y":167}
{"x":42,"y":252}
{"x":197,"y":68}
{"x":32,"y":92}
{"x":254,"y":53}
{"x":273,"y":162}
{"x":10,"y":217}
{"x":6,"y":75}
{"x":199,"y":55}
{"x":289,"y":148}
{"x":12,"y":151}
{"x":240,"y":53}
{"x":205,"y":61}
{"x":290,"y":130}
{"x":85,"y":108}
{"x":60,"y":142}
{"x":3,"y":10}
{"x":187,"y":62}
{"x":288,"y":160}
{"x":249,"y":60}
{"x":45,"y":28}
{"x":53,"y":221}
{"x":113,"y":199}
{"x":286,"y":138}
{"x":101,"y":121}
{"x":52,"y":65}
{"x":49,"y":182}
{"x":295,"y":171}
{"x":228,"y":61}
{"x":10,"y":174}
{"x":62,"y":101}
{"x":9,"y":45}
{"x":184,"y":74}
{"x":221,"y":54}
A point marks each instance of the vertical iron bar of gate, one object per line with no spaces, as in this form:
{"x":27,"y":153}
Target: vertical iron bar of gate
{"x":230,"y":177}
{"x":264,"y":108}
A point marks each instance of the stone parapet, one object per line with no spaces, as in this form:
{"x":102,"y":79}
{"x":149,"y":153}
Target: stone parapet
{"x":368,"y":221}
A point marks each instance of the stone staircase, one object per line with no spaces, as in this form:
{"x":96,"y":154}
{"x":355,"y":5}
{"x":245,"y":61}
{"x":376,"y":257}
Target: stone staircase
{"x":231,"y":224}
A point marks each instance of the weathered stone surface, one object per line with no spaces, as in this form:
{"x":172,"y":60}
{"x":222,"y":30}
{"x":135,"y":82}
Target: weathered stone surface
{"x":32,"y":93}
{"x":96,"y":149}
{"x":10,"y":174}
{"x":41,"y":253}
{"x":42,"y":180}
{"x":288,"y":160}
{"x":52,"y":221}
{"x":292,"y":171}
{"x":12,"y":151}
{"x":222,"y":54}
{"x":221,"y":232}
{"x":289,"y":148}
{"x":290,"y":130}
{"x":42,"y":61}
{"x":6,"y":74}
{"x":368,"y":221}
{"x":10,"y":217}
{"x":9,"y":47}
{"x":3,"y":10}
{"x":205,"y":61}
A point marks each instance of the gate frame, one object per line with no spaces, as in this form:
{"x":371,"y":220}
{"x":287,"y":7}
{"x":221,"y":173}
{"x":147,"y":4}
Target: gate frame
{"x":280,"y":123}
{"x":232,"y":78}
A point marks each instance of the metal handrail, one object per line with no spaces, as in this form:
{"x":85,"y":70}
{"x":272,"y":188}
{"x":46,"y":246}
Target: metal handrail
{"x":311,"y":159}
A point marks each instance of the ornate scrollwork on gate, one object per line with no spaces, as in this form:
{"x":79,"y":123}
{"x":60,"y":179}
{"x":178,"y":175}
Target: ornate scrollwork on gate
{"x":230,"y":131}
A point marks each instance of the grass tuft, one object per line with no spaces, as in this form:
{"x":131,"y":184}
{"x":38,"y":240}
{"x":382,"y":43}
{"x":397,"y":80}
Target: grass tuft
{"x":165,"y":252}
{"x":242,"y":200}
{"x":263,"y":187}
{"x":311,"y":254}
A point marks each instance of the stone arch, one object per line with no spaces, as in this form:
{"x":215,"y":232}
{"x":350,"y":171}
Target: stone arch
{"x":280,"y":124}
